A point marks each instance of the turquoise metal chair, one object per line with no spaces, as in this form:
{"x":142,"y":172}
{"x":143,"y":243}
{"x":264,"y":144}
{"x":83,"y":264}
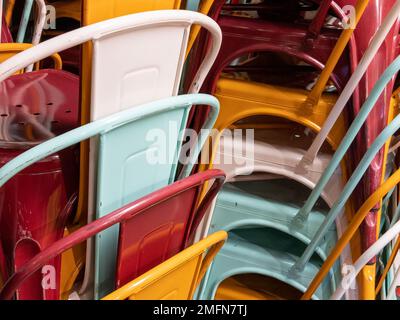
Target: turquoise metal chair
{"x":303,"y":215}
{"x":270,"y":204}
{"x":266,"y":252}
{"x":125,"y":172}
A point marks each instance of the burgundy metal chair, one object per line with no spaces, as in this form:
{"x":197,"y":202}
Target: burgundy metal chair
{"x":152,"y":229}
{"x":310,"y":43}
{"x":36,"y":204}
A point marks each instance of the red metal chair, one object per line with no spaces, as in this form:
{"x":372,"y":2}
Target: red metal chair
{"x":37,"y":202}
{"x":152,"y":229}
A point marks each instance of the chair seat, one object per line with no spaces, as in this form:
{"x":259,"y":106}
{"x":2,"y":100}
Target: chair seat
{"x":265,"y":256}
{"x":278,"y":151}
{"x":240,"y":99}
{"x":273,"y":204}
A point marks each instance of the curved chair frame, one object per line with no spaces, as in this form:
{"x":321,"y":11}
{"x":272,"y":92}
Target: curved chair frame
{"x":118,"y":216}
{"x":357,"y":220}
{"x":337,"y":157}
{"x":351,"y":85}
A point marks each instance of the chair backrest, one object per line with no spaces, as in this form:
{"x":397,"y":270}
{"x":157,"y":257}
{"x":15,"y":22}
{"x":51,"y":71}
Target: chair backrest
{"x":126,"y":72}
{"x":139,"y":73}
{"x":379,"y":142}
{"x":178,"y":277}
{"x":351,"y":86}
{"x":122,"y":51}
{"x":125,"y":169}
{"x":309,"y":104}
{"x":130,"y":212}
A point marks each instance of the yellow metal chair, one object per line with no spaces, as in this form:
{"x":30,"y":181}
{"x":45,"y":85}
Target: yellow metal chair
{"x":178,"y":277}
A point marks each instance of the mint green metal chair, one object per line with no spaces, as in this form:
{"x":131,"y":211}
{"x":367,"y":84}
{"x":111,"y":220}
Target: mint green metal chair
{"x":126,"y":170}
{"x":263,"y":251}
{"x":269,"y":204}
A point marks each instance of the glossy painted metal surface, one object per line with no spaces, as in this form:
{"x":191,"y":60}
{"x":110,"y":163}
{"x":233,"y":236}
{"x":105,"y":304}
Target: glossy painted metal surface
{"x":178,"y":277}
{"x":131,"y":211}
{"x":357,"y":175}
{"x":174,"y":34}
{"x":262,"y":252}
{"x":378,"y":118}
{"x":138,"y":121}
{"x":244,"y":35}
{"x":5,"y":32}
{"x":36,"y":203}
{"x":148,"y":239}
{"x":7,"y":50}
{"x":358,"y":219}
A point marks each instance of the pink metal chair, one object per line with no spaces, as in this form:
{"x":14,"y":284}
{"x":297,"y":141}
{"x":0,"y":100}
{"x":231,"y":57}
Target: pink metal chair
{"x":153,"y":229}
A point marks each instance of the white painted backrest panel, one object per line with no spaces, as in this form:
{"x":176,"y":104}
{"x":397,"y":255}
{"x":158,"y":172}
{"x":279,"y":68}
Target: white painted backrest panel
{"x":136,"y":66}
